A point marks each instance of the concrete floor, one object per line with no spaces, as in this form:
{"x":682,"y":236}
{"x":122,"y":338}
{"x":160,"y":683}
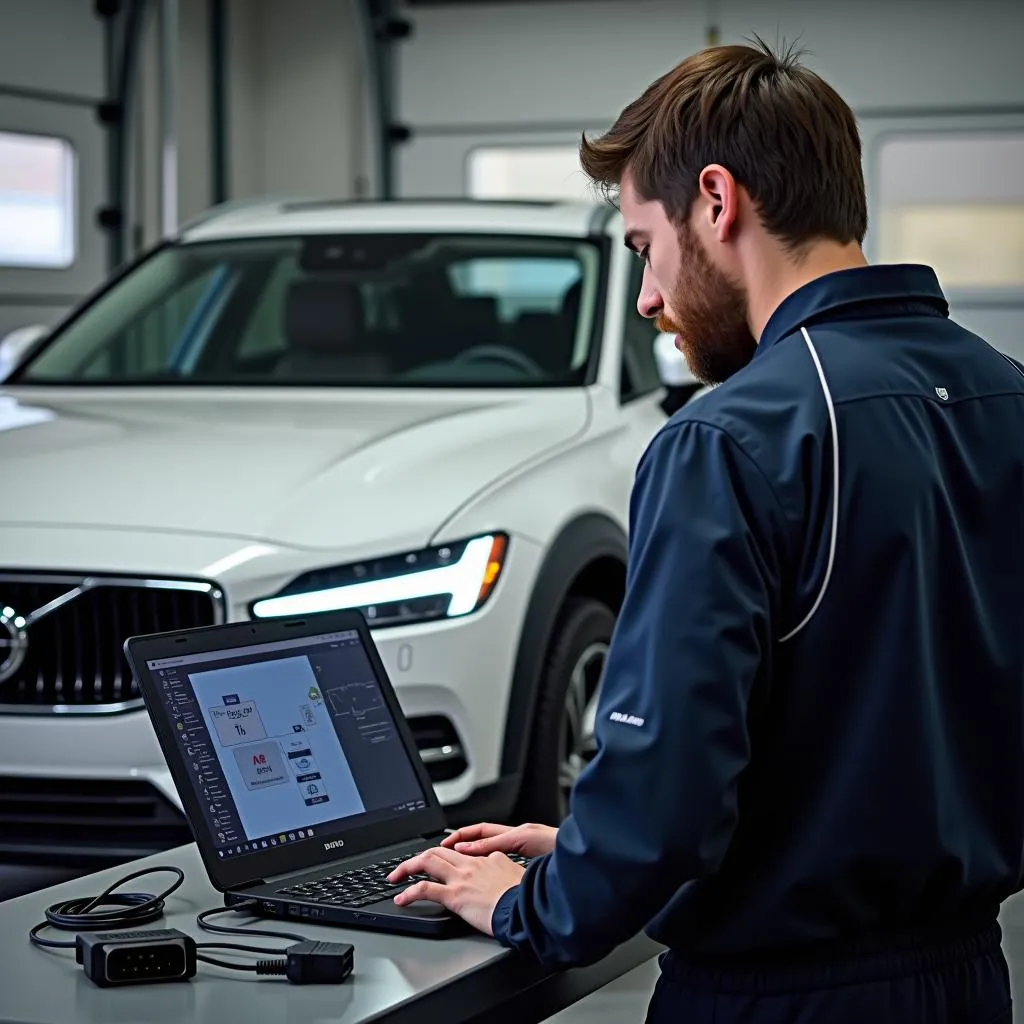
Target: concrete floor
{"x":624,"y":1001}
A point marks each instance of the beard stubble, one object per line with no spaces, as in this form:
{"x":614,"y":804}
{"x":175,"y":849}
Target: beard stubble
{"x":709,"y":316}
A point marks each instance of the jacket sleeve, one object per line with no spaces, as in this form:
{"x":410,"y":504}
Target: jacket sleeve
{"x":657,"y":805}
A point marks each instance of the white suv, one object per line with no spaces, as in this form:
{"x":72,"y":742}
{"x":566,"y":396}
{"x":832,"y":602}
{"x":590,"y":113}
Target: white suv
{"x":430,"y":411}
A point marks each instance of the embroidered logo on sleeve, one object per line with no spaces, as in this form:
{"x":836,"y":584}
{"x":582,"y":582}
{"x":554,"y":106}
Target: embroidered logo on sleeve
{"x":618,"y":716}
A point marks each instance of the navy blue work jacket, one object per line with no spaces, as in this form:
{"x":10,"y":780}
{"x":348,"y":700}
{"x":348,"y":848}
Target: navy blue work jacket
{"x":812,"y":721}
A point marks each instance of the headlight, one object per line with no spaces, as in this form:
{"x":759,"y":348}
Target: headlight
{"x":438,"y":583}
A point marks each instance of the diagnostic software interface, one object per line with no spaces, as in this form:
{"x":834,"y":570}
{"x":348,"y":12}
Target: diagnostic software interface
{"x":287,"y":741}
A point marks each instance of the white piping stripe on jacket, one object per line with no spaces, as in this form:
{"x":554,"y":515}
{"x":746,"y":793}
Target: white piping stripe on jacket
{"x":835,"y":480}
{"x":835,"y":488}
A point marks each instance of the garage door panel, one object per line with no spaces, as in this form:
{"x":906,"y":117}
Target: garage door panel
{"x":948,"y":191}
{"x":77,"y":124}
{"x":437,"y":165}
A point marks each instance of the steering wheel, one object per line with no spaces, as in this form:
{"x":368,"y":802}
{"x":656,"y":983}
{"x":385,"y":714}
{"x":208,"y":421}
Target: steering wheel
{"x":499,"y":353}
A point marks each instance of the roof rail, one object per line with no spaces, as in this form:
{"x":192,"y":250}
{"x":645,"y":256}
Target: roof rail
{"x":295,"y":206}
{"x":228,"y":207}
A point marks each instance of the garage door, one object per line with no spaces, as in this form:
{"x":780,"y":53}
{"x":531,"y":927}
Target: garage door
{"x":51,"y":180}
{"x":949,"y":192}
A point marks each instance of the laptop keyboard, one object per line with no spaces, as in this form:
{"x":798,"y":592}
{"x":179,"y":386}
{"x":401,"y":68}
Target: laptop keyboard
{"x":361,"y":886}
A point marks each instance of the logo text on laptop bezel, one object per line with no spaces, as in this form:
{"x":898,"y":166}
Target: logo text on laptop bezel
{"x":335,"y":844}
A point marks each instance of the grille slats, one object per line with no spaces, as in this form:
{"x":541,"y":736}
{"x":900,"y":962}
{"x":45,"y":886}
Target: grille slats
{"x":74,"y":657}
{"x":95,"y":822}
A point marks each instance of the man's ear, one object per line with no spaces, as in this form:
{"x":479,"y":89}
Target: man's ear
{"x":720,"y":193}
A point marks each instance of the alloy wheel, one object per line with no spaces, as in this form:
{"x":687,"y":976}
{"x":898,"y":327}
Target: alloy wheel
{"x":578,"y":741}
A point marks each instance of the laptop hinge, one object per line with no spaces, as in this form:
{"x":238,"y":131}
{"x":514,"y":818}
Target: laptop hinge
{"x":250,"y":884}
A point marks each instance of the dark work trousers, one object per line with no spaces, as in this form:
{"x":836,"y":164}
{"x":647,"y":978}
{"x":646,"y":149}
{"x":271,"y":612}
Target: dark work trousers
{"x":958,"y":976}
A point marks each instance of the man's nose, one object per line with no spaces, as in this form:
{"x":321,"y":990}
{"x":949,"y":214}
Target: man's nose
{"x":649,"y":303}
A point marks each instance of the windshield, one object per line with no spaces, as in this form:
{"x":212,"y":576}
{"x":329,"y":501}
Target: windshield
{"x":424,"y":310}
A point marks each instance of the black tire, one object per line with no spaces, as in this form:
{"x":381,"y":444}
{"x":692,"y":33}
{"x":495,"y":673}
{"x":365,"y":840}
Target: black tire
{"x":584,"y":628}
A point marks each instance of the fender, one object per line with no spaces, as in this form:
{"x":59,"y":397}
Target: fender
{"x":580,"y":542}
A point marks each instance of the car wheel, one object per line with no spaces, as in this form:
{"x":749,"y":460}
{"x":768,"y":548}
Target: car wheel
{"x":562,"y":741}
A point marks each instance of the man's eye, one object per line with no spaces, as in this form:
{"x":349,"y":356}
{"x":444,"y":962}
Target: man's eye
{"x":645,"y":254}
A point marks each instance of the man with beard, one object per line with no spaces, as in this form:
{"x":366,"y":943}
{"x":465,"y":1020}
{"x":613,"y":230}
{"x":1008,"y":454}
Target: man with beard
{"x":810,"y":778}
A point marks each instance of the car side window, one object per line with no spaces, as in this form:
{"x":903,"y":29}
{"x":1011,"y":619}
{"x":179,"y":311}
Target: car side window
{"x":639,"y":373}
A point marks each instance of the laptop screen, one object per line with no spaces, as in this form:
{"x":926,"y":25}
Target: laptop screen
{"x":286,"y":741}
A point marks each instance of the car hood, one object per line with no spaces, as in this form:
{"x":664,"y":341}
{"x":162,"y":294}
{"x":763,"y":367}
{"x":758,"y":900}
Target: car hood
{"x":311,"y":469}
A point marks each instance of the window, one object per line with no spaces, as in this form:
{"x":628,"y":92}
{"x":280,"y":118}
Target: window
{"x":527,"y":172}
{"x":37,"y":201}
{"x":640,"y":374}
{"x":147,"y":344}
{"x":416,"y":310}
{"x":264,"y":333}
{"x":517,"y":284}
{"x":956,"y":202}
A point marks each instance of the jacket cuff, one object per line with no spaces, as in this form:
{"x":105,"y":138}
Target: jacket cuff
{"x":501,"y":918}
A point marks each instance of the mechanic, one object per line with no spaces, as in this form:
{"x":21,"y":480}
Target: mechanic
{"x":810,"y":778}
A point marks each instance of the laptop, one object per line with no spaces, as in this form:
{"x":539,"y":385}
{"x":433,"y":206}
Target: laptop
{"x":295,"y":767}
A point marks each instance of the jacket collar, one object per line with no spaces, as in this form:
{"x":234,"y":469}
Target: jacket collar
{"x":901,"y":289}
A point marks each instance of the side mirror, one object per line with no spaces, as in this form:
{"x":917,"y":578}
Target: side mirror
{"x":672,"y":366}
{"x":680,"y":383}
{"x":16,"y":345}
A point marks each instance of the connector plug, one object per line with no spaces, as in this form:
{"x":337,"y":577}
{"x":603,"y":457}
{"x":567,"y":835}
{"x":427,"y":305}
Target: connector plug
{"x":136,"y":958}
{"x":319,"y":963}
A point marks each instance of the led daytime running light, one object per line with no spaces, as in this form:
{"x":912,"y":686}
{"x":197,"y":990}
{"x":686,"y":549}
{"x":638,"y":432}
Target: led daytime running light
{"x":466,"y":580}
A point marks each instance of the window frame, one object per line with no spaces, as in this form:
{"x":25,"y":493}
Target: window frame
{"x":634,"y":280}
{"x":70,"y":213}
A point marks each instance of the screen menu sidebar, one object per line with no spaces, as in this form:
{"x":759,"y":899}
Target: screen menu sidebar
{"x":218,"y":805}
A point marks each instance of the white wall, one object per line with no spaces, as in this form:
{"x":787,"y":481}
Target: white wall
{"x":51,"y":44}
{"x":542,"y":73}
{"x":191,"y":119}
{"x":51,"y":74}
{"x":297,"y":98}
{"x":562,"y":68}
{"x":193,"y":126}
{"x":582,"y":62}
{"x":296,"y":121}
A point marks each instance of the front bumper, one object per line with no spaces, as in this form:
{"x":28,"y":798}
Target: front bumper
{"x":452,"y":678}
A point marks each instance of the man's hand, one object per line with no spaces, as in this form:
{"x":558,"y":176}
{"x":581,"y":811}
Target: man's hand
{"x":480,"y":840}
{"x":467,"y":886}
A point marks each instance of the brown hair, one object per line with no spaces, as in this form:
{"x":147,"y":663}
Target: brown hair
{"x":783,"y":132}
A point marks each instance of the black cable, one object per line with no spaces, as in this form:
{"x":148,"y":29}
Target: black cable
{"x":260,"y":967}
{"x":239,"y":946}
{"x":278,"y":967}
{"x":81,"y":915}
{"x":310,"y":962}
{"x":223,"y":963}
{"x":220,"y":929}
